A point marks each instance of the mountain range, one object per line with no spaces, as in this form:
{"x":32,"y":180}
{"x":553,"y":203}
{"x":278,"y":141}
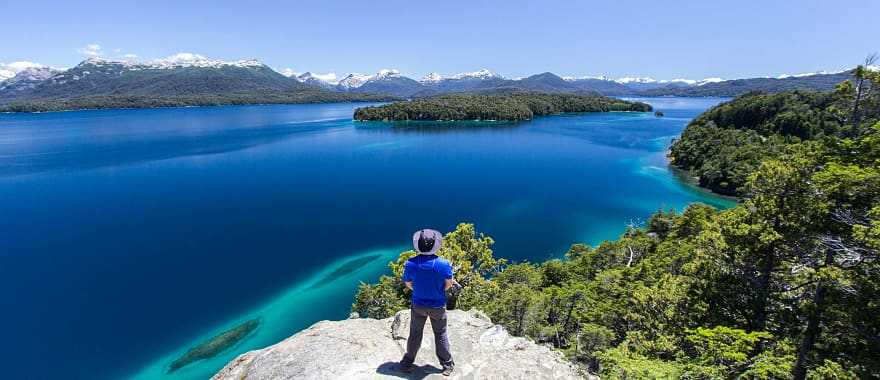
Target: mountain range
{"x":391,"y":82}
{"x":190,"y":79}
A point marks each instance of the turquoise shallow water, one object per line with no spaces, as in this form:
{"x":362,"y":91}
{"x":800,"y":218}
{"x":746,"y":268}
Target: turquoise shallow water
{"x":130,"y":236}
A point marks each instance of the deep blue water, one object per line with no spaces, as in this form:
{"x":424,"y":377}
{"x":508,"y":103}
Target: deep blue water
{"x":127,"y":236}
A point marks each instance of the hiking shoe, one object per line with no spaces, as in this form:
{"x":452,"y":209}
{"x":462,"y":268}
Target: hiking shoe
{"x":406,"y":368}
{"x":447,"y":370}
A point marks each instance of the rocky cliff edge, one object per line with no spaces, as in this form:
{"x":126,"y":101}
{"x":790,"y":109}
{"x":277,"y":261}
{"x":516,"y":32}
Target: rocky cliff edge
{"x":369,"y":349}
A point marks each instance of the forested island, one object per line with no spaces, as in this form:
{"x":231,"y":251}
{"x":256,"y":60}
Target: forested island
{"x":783,"y":286}
{"x":497,"y":107}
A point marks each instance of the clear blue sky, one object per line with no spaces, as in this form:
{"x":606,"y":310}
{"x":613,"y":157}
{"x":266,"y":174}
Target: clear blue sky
{"x":662,"y":39}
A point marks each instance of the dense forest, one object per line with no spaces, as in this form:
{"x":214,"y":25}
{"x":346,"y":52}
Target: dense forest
{"x":723,"y":146}
{"x":783,"y":286}
{"x":515,"y":106}
{"x":141,"y":101}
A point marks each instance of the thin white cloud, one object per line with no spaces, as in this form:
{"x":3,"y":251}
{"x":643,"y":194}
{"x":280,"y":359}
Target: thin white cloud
{"x":90,"y":50}
{"x":130,"y":56}
{"x":8,"y":70}
{"x":183,"y":58}
{"x":328,"y":77}
{"x":21,"y":65}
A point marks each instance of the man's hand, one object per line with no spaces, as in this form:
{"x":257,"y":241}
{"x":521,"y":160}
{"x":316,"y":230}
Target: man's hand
{"x":409,"y":284}
{"x":449,"y":283}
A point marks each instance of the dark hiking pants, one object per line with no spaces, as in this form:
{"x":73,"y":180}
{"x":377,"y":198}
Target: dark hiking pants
{"x":417,"y":325}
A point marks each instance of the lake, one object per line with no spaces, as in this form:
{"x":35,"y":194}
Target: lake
{"x":129,"y":236}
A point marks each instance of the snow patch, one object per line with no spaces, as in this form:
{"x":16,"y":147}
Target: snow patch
{"x":288,"y":72}
{"x":178,"y":60}
{"x":627,"y":80}
{"x":709,"y":80}
{"x":479,"y":74}
{"x":689,"y":82}
{"x":585,"y":77}
{"x":197,"y":60}
{"x":329,"y":78}
{"x":354,"y":80}
{"x":431,"y":78}
{"x":10,"y":70}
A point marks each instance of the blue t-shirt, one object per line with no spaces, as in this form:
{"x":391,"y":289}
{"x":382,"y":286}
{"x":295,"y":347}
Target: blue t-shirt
{"x":428,"y":274}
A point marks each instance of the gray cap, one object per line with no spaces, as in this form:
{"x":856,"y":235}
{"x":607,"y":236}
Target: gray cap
{"x":427,"y":241}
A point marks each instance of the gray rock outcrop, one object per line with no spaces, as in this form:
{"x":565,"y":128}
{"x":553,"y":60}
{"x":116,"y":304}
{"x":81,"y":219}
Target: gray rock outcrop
{"x":370,"y":349}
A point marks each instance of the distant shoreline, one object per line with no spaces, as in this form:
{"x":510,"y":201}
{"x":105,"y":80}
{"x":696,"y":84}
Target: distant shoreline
{"x":6,"y":112}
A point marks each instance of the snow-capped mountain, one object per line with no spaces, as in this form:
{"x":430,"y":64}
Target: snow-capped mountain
{"x":431,"y":78}
{"x":179,"y":75}
{"x":328,"y":77}
{"x":479,"y":74}
{"x":28,"y":78}
{"x":708,"y":81}
{"x":386,"y":81}
{"x":385,"y":74}
{"x":822,"y":72}
{"x":188,"y":74}
{"x":7,"y":71}
{"x":628,"y":80}
{"x":353,"y":80}
{"x":327,"y":81}
{"x":195,"y":60}
{"x":6,"y":74}
{"x":176,"y":61}
{"x":586,"y":77}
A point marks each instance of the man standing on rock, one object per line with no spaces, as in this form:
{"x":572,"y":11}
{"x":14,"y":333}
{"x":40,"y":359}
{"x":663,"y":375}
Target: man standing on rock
{"x":429,"y":276}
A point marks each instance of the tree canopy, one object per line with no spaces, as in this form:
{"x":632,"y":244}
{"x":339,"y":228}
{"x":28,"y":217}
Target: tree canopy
{"x":784,"y":285}
{"x":725,"y":144}
{"x":506,"y":107}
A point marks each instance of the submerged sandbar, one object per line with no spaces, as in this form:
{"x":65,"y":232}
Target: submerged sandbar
{"x":215,"y":345}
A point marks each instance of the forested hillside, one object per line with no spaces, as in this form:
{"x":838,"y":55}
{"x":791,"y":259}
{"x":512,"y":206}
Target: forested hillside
{"x":509,"y":107}
{"x":736,"y":87}
{"x":98,"y":83}
{"x":722,"y":147}
{"x":783,"y":286}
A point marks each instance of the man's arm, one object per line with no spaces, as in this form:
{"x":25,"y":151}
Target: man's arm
{"x":408,"y":275}
{"x":450,"y":280}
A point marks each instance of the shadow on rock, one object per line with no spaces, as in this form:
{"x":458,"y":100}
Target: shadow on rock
{"x":419,"y":371}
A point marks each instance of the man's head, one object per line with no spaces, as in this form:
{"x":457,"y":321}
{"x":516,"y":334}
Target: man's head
{"x":427,"y":242}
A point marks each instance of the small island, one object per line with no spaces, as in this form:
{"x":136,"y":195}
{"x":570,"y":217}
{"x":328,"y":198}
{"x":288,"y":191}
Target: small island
{"x":500,"y":107}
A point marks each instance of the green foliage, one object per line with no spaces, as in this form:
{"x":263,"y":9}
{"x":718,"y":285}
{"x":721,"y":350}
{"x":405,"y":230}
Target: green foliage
{"x":507,"y":107}
{"x":380,"y":300}
{"x":619,"y":363}
{"x":727,"y":143}
{"x":773,"y":363}
{"x":723,"y":345}
{"x":782,"y":286}
{"x":737,"y":87}
{"x":830,"y":370}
